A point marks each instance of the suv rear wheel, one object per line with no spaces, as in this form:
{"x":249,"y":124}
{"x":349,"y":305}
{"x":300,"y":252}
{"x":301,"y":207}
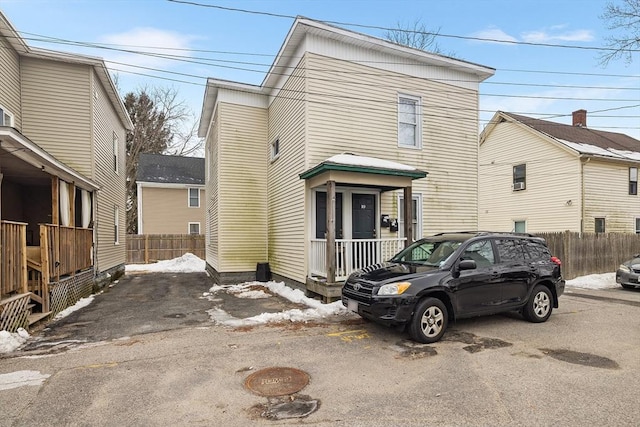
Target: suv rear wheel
{"x":429,"y":321}
{"x":539,"y":306}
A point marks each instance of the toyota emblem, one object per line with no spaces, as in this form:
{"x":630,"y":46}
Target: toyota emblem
{"x":356,"y":286}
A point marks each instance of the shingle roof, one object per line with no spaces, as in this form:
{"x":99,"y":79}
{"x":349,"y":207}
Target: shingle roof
{"x":170,"y":169}
{"x":584,"y":139}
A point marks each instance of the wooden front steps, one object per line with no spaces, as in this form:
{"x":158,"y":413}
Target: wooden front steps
{"x":36,"y":317}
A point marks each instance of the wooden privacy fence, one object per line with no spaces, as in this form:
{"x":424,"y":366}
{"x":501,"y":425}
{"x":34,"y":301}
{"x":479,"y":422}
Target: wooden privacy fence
{"x":146,"y":248}
{"x":590,"y":253}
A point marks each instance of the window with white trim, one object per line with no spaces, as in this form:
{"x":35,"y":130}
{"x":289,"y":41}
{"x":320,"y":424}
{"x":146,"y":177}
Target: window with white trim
{"x":520,"y":226}
{"x":6,"y":118}
{"x":194,"y":197}
{"x":637,"y":225}
{"x":116,"y":225}
{"x":633,"y":181}
{"x":194,"y":228}
{"x":416,"y":216}
{"x":115,"y":153}
{"x":409,"y":122}
{"x":519,"y":177}
{"x":275,"y":149}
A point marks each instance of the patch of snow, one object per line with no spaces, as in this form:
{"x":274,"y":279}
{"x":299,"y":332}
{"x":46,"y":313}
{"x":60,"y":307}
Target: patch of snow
{"x":599,"y":151}
{"x":187,"y":263}
{"x":353,"y":160}
{"x":83,"y":302}
{"x":21,"y":379}
{"x":11,"y":341}
{"x":594,"y":281}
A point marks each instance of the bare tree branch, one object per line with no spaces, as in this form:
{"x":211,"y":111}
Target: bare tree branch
{"x":416,"y":35}
{"x":624,"y":18}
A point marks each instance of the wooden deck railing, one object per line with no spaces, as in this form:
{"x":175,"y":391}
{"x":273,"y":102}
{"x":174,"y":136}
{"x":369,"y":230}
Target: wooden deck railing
{"x":65,"y":250}
{"x":13,"y":258}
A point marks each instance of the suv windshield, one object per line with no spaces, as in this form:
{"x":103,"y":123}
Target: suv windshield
{"x":429,"y":253}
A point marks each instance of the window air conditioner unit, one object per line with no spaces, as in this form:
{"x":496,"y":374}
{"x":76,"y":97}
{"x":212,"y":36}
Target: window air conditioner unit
{"x":518,"y":186}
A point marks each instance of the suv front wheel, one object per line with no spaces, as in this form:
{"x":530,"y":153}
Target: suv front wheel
{"x":539,"y":306}
{"x":429,"y":321}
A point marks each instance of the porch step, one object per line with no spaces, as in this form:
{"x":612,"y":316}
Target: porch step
{"x":36,"y":298}
{"x":36,"y":317}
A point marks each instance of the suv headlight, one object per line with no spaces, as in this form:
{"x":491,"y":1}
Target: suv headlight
{"x":624,"y":268}
{"x":394,"y":288}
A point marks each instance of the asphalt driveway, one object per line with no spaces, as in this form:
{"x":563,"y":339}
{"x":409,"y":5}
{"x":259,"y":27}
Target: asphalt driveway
{"x":142,"y":303}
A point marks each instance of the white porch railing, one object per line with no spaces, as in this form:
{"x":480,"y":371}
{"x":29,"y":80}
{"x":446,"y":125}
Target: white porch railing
{"x":351,"y":255}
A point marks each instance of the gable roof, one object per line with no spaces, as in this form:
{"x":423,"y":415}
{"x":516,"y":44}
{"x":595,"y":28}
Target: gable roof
{"x":165,"y":169}
{"x":289,"y":54}
{"x":16,"y":41}
{"x":583,"y":140}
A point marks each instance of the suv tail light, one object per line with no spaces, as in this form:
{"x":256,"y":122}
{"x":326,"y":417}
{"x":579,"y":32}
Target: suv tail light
{"x":556,"y":260}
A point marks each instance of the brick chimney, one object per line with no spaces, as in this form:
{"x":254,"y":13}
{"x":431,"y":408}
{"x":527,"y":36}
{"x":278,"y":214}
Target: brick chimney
{"x":580,"y":118}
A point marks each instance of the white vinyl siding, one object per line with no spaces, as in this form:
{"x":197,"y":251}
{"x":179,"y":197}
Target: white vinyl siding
{"x":242,"y":188}
{"x":607,"y":196}
{"x":353,"y":108}
{"x":56,"y":108}
{"x":553,"y":178}
{"x":287,"y":205}
{"x":10,"y":81}
{"x":112,"y":192}
{"x":213,"y":195}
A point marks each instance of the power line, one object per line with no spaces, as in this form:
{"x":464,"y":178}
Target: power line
{"x":376,"y":27}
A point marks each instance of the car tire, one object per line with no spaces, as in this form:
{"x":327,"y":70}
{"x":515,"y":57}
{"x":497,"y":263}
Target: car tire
{"x":429,"y":321}
{"x":540,"y":305}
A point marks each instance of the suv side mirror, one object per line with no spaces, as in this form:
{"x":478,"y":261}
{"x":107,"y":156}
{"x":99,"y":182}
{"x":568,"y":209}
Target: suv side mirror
{"x":467,"y":264}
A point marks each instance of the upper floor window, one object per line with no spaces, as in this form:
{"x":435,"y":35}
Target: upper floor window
{"x":275,"y":149}
{"x":194,"y":197}
{"x":115,"y":153}
{"x":633,"y":181}
{"x":519,"y":177}
{"x":6,"y":118}
{"x":600,"y":225}
{"x":409,"y":124}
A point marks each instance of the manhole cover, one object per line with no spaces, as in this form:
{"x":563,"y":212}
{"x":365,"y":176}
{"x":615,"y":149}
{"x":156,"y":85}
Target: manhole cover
{"x":277,"y":381}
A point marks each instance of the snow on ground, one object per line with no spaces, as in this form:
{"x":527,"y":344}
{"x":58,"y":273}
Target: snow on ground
{"x":21,"y":378}
{"x":317,"y":310}
{"x":187,"y":263}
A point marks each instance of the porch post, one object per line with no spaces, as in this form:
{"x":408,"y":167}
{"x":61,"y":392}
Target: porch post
{"x":408,"y":216}
{"x":331,"y":232}
{"x":55,"y":197}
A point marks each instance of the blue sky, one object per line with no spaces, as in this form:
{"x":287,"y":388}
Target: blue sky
{"x":529,"y":80}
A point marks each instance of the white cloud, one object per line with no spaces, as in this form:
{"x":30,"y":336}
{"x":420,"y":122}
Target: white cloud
{"x":548,"y":35}
{"x":147,"y":45}
{"x":492,"y":35}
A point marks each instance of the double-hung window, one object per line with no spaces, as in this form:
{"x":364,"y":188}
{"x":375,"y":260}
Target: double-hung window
{"x":6,"y":118}
{"x":519,"y":177}
{"x":194,"y":228}
{"x":409,"y":122}
{"x":194,"y":197}
{"x":633,"y":181}
{"x":275,"y":148}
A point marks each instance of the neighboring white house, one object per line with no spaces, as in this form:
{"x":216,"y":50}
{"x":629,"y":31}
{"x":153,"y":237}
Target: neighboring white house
{"x":311,"y":171}
{"x":542,"y":176}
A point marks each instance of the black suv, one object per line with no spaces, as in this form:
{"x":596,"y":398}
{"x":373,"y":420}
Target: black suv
{"x":449,"y":276}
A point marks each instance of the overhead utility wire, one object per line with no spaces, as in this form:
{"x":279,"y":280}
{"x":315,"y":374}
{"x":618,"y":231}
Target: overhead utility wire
{"x":377,"y":27}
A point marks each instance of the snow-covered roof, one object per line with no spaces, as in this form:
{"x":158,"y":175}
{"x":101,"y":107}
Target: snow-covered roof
{"x":352,"y":159}
{"x":353,"y":163}
{"x":170,"y":169}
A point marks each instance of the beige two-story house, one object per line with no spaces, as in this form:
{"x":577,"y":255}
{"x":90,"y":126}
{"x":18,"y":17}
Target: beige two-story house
{"x":350,"y":148}
{"x":62,"y":173}
{"x":170,"y":194}
{"x":543,"y":176}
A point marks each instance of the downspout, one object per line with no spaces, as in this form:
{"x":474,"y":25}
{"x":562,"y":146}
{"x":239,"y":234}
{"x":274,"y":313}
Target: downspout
{"x":95,"y":234}
{"x":583,"y":162}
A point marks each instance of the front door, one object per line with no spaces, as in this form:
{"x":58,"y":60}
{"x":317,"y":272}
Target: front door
{"x":363,"y":217}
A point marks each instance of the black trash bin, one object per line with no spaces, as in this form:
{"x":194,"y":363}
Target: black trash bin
{"x":263,"y":272}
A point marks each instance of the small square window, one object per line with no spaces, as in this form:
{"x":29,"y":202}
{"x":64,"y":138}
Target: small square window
{"x":194,"y":228}
{"x":275,"y":149}
{"x":633,"y":181}
{"x":600,"y":225}
{"x":520,"y":226}
{"x":194,"y":197}
{"x":519,"y":177}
